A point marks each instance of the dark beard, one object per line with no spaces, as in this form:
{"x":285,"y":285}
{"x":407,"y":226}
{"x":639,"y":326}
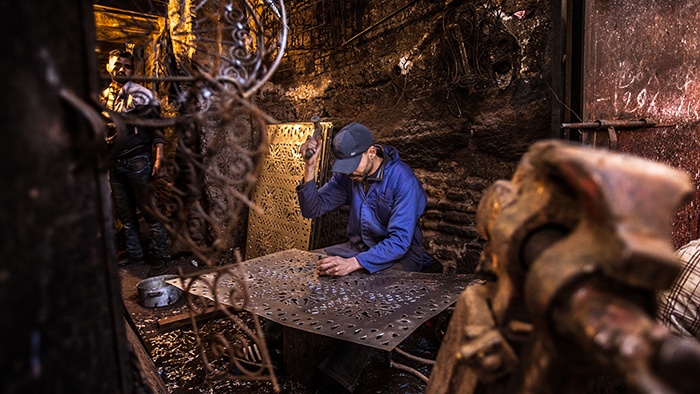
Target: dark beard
{"x":363,"y":176}
{"x":360,"y":178}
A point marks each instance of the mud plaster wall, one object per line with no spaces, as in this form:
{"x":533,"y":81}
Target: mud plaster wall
{"x":394,"y":80}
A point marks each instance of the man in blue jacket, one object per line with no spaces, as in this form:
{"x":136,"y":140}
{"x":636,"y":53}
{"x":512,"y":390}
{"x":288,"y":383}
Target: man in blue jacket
{"x":385,"y":198}
{"x":386,"y":201}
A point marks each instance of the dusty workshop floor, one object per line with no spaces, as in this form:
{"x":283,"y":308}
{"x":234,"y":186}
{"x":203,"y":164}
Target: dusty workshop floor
{"x":175,"y":353}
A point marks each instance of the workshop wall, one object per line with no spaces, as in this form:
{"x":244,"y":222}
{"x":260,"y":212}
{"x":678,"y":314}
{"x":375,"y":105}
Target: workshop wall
{"x":459,"y":89}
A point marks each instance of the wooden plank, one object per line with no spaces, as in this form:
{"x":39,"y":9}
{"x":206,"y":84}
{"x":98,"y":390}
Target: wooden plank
{"x":183,"y":319}
{"x":143,"y":365}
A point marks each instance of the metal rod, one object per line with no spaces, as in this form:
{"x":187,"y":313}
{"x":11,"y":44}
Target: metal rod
{"x":341,"y":8}
{"x":405,"y":368}
{"x":604,"y":124}
{"x":414,"y":358}
{"x":378,"y":23}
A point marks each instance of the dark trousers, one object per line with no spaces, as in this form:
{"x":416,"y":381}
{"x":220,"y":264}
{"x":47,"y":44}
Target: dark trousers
{"x":347,"y":359}
{"x":346,"y":362}
{"x":129,"y":184}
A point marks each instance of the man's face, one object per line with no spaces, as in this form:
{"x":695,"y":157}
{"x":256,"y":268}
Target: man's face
{"x":120,"y":67}
{"x":364,"y":169}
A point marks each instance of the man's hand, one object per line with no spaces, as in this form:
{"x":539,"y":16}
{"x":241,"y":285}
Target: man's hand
{"x":337,"y":266}
{"x":159,"y":169}
{"x":314,"y":145}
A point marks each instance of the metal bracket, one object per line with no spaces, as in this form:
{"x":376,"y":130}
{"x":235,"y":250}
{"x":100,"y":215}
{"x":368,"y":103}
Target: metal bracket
{"x":609,"y":126}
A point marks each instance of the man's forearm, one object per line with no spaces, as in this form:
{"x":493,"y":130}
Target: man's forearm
{"x":158,"y":169}
{"x":309,"y":173}
{"x":159,"y":151}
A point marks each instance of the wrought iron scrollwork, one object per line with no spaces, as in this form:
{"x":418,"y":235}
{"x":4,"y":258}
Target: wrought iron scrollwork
{"x":478,"y":46}
{"x":221,"y":355}
{"x":205,"y":61}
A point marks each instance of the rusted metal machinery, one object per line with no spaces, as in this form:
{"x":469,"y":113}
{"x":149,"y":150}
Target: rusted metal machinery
{"x":576,"y":245}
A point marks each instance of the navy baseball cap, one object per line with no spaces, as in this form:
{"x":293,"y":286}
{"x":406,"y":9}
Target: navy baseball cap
{"x":349,"y":145}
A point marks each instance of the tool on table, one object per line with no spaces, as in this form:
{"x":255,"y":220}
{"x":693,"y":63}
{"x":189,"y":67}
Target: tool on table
{"x":316,"y":120}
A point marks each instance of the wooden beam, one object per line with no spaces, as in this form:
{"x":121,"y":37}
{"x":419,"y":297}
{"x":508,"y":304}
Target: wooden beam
{"x":183,"y":319}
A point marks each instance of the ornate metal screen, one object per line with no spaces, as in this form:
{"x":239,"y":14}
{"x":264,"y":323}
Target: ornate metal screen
{"x":275,"y":223}
{"x":378,"y":310}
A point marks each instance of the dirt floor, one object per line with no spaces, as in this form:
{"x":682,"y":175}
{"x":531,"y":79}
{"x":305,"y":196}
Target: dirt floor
{"x":176,"y":356}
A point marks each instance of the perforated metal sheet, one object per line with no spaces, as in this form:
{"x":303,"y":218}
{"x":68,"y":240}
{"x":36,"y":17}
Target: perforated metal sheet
{"x":279,"y":224}
{"x":378,"y":310}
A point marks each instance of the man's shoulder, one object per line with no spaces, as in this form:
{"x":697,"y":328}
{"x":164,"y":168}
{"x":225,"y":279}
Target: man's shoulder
{"x":400,"y":176}
{"x":106,"y":93}
{"x":104,"y":96}
{"x":689,"y":249}
{"x":141,"y":95}
{"x":395,"y":164}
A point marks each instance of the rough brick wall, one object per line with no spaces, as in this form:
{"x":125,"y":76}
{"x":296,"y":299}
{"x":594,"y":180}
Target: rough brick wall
{"x":458,"y":140}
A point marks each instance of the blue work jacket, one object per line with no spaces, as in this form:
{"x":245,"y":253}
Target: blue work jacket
{"x":383,"y":227}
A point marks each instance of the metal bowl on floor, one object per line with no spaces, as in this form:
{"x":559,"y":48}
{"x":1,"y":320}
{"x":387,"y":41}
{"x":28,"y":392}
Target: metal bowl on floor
{"x":155,"y":292}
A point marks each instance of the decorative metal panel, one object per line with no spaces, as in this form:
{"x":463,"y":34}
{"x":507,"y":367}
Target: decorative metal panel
{"x":277,"y":224}
{"x":378,"y":310}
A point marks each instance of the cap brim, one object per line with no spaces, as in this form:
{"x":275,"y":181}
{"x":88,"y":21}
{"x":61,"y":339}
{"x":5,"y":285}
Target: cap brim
{"x":346,"y":166}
